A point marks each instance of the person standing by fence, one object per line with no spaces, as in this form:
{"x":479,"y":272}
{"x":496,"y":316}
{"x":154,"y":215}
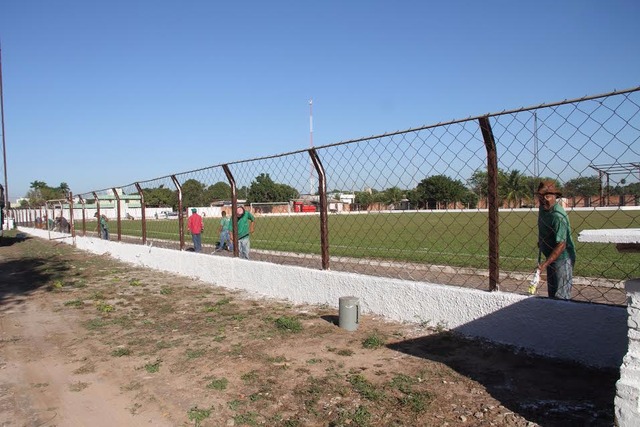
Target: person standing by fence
{"x":196,"y":227}
{"x":246,"y":226}
{"x":1,"y":209}
{"x":104,"y":227}
{"x":225,"y":233}
{"x":555,"y":242}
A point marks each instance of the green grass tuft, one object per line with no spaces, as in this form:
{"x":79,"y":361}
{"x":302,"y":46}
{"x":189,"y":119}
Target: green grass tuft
{"x":288,"y":324}
{"x":198,"y":415}
{"x":119,"y":352}
{"x":218,"y":384}
{"x":103,"y":307}
{"x":365,"y":388}
{"x":373,"y":341}
{"x":152,"y":368}
{"x":76,"y":303}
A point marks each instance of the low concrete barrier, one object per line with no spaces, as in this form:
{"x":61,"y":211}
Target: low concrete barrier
{"x":627,"y":401}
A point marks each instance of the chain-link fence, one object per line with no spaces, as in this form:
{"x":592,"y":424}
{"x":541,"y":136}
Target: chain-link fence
{"x":451,"y":203}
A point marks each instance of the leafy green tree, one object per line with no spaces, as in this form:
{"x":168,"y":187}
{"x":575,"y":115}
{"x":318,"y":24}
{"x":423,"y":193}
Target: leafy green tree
{"x":479,"y":182}
{"x":218,"y":191}
{"x":363,"y":198}
{"x":193,"y":193}
{"x":584,"y":186}
{"x":413,"y":198}
{"x":470,"y":199}
{"x":379,"y":197}
{"x":393,"y":196}
{"x":618,"y":190}
{"x":265,"y":190}
{"x":160,"y":197}
{"x":440,"y":188}
{"x":632,"y":189}
{"x":242,"y":192}
{"x":40,"y":192}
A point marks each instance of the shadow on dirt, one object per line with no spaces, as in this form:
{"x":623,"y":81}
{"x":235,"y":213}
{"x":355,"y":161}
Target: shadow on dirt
{"x":331,"y":318}
{"x":546,"y":391}
{"x":12,"y":240}
{"x":19,"y":278}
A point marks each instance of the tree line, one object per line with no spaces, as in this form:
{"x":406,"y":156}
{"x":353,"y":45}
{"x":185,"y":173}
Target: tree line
{"x":514,"y":189}
{"x":195,"y":193}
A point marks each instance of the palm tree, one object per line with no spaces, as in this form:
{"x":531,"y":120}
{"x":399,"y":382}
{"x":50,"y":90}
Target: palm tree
{"x":393,"y":196}
{"x":64,"y":189}
{"x":514,"y":188}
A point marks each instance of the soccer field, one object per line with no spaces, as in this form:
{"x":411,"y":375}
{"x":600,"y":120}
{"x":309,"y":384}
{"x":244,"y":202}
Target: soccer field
{"x":455,"y":238}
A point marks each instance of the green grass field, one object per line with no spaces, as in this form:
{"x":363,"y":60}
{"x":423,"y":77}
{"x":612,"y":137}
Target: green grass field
{"x":443,"y":238}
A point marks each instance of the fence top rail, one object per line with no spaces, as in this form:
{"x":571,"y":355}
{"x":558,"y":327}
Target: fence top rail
{"x":398,"y":132}
{"x":60,"y":201}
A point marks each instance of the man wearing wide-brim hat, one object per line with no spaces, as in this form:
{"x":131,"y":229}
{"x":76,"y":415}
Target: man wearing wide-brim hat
{"x":555,"y":242}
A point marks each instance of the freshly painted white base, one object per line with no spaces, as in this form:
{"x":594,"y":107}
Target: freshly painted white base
{"x":592,"y":334}
{"x":614,"y":235}
{"x":627,"y":401}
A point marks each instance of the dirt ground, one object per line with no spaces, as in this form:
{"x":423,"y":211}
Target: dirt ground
{"x":88,"y":341}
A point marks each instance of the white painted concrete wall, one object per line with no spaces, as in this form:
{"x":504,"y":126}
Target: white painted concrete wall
{"x":627,"y":401}
{"x":591,"y":334}
{"x":614,"y":235}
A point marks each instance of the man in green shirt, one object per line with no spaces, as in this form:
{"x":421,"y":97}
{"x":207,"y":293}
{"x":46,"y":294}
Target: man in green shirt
{"x":225,"y":233}
{"x":104,"y":226}
{"x":555,"y":242}
{"x":246,"y":225}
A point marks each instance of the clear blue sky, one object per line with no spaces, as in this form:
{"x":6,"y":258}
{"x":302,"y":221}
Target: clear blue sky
{"x":105,"y":93}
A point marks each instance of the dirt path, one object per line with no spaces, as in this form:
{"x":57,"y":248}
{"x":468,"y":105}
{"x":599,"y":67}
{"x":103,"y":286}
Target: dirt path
{"x":87,"y":341}
{"x":49,"y":374}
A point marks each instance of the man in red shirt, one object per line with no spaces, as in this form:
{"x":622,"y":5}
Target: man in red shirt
{"x":196,"y":227}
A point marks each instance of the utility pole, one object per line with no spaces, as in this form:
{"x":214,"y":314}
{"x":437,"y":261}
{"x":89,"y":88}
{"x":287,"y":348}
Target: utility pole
{"x":4,"y":149}
{"x":311,"y":145}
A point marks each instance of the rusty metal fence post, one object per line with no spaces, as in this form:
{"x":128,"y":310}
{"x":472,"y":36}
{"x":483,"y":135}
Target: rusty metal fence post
{"x":73,"y":227}
{"x":46,"y":217}
{"x":322,"y":192}
{"x":234,"y":207}
{"x":142,"y":213}
{"x":84,"y":216}
{"x":180,"y":216}
{"x":97,"y":213}
{"x":119,"y":216}
{"x":492,"y":174}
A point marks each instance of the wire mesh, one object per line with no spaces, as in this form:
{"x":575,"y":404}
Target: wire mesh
{"x":208,"y":191}
{"x":414,"y":204}
{"x":400,"y":228}
{"x":563,"y":143}
{"x":162,"y":212}
{"x":281,"y":192}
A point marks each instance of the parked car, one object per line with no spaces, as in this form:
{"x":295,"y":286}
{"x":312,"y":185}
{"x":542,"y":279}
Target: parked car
{"x":169,"y":214}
